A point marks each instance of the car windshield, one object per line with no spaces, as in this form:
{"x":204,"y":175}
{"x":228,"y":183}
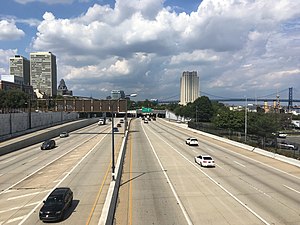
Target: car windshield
{"x":194,"y":139}
{"x":54,"y":200}
{"x":207,"y":158}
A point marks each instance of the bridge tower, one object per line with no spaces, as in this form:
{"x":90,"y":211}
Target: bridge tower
{"x":290,"y":104}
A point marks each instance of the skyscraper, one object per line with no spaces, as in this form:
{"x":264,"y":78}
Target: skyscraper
{"x":43,"y":72}
{"x":189,"y":87}
{"x":19,"y":66}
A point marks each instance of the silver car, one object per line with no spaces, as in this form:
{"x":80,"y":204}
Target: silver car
{"x":64,"y":134}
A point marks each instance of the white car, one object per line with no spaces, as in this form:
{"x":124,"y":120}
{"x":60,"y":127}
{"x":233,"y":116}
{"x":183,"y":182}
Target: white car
{"x":64,"y":134}
{"x":205,"y":160}
{"x":282,"y":135}
{"x":191,"y":141}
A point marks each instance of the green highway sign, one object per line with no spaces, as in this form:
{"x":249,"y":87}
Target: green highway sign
{"x":146,"y":110}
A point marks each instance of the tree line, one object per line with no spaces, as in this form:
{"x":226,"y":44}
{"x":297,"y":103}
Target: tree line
{"x":259,"y":123}
{"x":11,"y":100}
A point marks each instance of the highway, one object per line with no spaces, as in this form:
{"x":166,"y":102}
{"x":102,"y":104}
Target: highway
{"x":161,"y":183}
{"x":81,"y":161}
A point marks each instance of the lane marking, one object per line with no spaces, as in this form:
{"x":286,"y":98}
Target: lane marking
{"x":26,"y":195}
{"x":186,"y":216}
{"x":214,"y":181}
{"x":239,"y":164}
{"x":15,"y":219}
{"x":19,"y":207}
{"x":227,"y":150}
{"x":130,"y":185}
{"x":98,"y":195}
{"x":74,"y":167}
{"x":32,"y":159}
{"x":8,"y":160}
{"x":39,"y":169}
{"x":292,"y":189}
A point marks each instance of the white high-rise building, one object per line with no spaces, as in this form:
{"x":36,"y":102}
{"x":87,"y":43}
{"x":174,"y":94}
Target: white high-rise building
{"x":19,"y":67}
{"x":43,"y":72}
{"x":189,"y":87}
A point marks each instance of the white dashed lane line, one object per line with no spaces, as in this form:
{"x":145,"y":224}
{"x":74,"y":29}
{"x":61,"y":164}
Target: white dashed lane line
{"x":239,"y":164}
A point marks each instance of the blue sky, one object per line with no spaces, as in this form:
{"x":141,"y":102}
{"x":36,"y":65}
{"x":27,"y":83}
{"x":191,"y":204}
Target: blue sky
{"x":239,"y":47}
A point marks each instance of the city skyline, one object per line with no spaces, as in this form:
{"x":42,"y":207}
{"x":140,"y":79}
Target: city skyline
{"x":239,"y":48}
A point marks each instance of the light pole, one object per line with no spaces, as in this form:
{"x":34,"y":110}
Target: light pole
{"x":246,"y":109}
{"x":113,"y":136}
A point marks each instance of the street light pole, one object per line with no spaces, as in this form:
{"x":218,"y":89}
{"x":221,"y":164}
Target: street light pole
{"x":246,"y":109}
{"x":113,"y":136}
{"x":113,"y":146}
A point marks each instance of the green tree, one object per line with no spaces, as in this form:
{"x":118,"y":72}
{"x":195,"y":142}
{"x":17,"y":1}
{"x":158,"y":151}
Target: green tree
{"x":231,"y":120}
{"x":263,"y":124}
{"x":14,"y":99}
{"x":204,"y":109}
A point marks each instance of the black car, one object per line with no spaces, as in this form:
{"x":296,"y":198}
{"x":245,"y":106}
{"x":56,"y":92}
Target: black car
{"x":48,"y":144}
{"x":56,"y":204}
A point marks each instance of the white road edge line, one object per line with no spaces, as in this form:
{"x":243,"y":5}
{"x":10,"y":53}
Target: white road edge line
{"x":23,"y":196}
{"x":83,"y":158}
{"x":243,"y":156}
{"x":224,"y":189}
{"x":170,"y":184}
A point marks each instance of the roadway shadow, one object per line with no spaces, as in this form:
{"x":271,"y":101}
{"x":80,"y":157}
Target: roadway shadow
{"x":68,"y":212}
{"x":141,"y":174}
{"x":134,"y":131}
{"x":72,"y":209}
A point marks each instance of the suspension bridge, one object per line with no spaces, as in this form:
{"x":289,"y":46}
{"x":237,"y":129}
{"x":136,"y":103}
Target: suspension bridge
{"x":273,"y":97}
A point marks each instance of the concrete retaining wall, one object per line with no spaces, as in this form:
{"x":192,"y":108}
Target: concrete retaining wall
{"x":13,"y":123}
{"x":41,"y":135}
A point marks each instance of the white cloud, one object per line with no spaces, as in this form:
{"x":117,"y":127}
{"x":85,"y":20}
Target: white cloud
{"x":9,"y":31}
{"x":4,"y":60}
{"x":237,"y":46}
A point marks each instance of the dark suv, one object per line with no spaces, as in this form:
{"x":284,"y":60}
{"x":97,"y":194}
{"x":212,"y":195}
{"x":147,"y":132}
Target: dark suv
{"x":48,"y":144}
{"x":56,"y":204}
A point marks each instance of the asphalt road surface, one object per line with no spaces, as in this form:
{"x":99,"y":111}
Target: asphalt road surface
{"x":161,"y":183}
{"x":81,"y":161}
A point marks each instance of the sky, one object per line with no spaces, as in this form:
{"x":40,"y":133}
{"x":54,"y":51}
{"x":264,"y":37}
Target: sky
{"x":240,"y":48}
